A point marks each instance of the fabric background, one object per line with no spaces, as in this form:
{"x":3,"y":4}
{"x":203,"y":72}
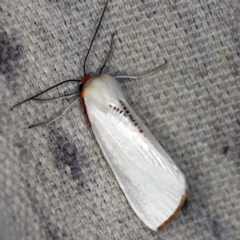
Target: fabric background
{"x":54,"y":180}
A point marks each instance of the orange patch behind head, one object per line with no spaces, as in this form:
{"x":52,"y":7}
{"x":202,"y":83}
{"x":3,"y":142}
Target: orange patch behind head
{"x":83,"y":81}
{"x":85,"y":78}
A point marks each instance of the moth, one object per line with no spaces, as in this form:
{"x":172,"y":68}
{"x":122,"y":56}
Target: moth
{"x":153,"y":184}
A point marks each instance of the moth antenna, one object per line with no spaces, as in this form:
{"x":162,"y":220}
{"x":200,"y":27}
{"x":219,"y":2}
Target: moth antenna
{"x":31,"y":98}
{"x":109,"y":52}
{"x":55,"y":98}
{"x":55,"y":118}
{"x":89,"y":49}
{"x":146,"y":74}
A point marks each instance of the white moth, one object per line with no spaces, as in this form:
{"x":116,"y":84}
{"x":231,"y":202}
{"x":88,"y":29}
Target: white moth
{"x":150,"y":180}
{"x":152,"y":183}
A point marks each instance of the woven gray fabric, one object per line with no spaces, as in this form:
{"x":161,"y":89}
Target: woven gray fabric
{"x":54,"y":180}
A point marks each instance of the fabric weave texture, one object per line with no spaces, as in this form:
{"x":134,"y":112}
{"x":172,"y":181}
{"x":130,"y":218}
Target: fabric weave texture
{"x":54,"y":180}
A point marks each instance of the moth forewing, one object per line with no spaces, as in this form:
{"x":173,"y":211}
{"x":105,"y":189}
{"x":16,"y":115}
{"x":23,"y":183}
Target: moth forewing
{"x":150,"y":180}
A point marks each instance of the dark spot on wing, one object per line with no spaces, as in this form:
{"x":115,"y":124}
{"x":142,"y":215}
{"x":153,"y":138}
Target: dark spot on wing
{"x":126,"y":113}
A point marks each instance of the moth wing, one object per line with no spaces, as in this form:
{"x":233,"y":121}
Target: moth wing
{"x":151,"y":181}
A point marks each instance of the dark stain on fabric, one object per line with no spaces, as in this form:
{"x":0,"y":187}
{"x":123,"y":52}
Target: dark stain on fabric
{"x":237,"y":162}
{"x":225,"y":149}
{"x":216,"y":229}
{"x":65,"y":152}
{"x":185,"y":207}
{"x":49,"y":229}
{"x":238,"y":122}
{"x":10,"y":53}
{"x":234,"y":32}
